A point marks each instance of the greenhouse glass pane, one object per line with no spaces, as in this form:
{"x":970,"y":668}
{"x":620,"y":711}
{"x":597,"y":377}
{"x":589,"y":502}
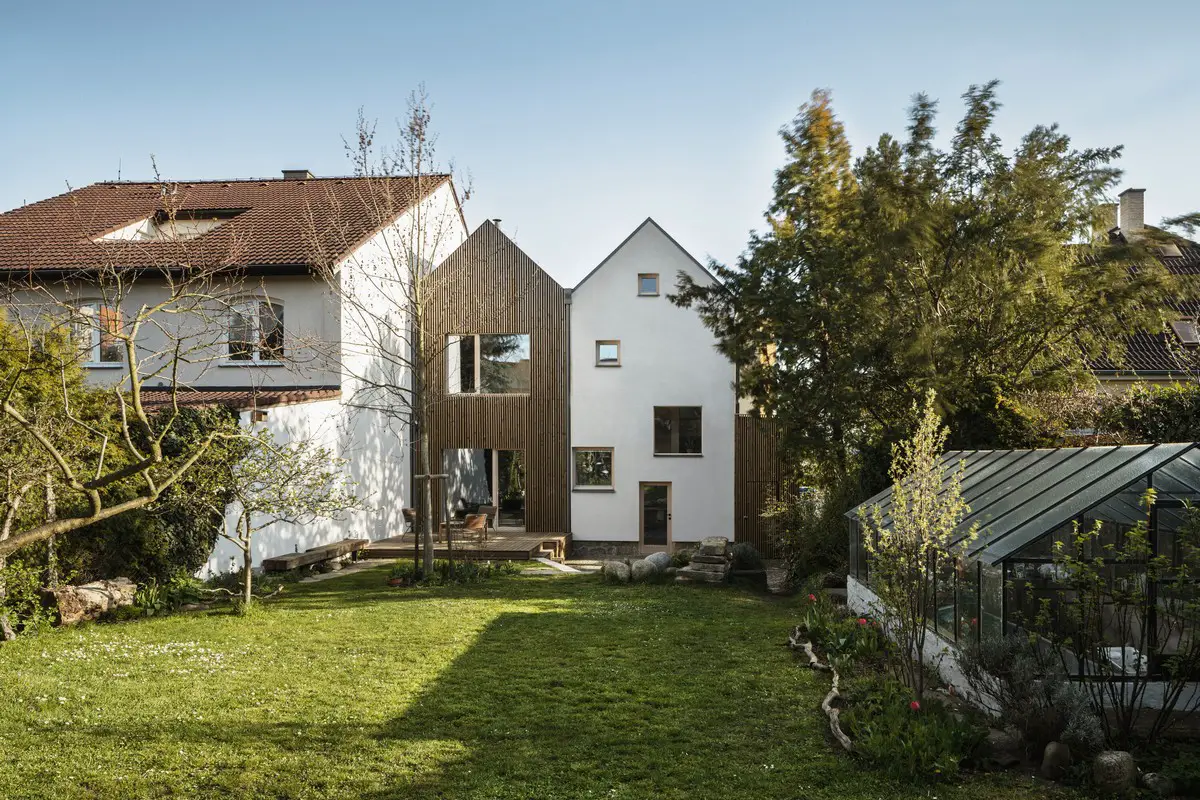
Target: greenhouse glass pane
{"x":968,"y":603}
{"x":991,"y":580}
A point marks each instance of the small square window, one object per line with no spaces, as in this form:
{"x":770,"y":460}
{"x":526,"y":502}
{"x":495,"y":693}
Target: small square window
{"x":648,"y":284}
{"x":593,"y":468}
{"x":608,"y":353}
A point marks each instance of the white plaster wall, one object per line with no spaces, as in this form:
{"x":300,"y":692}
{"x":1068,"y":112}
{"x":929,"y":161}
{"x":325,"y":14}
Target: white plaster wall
{"x":943,"y":656}
{"x":667,"y":359}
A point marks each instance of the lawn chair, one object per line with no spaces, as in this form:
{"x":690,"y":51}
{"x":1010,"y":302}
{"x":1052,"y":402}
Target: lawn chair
{"x":410,"y":519}
{"x":490,"y":513}
{"x":476,"y":526}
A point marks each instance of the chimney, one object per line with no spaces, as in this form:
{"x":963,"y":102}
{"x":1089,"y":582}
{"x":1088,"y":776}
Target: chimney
{"x":1133,"y":211}
{"x":304,"y":175}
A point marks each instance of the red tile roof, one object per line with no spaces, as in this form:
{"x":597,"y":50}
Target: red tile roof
{"x":241,"y":399}
{"x":273,"y":229}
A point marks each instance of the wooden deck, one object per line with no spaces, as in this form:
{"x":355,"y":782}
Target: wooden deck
{"x":502,"y":545}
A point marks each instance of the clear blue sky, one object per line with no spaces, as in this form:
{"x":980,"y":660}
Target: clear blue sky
{"x":576,"y":120}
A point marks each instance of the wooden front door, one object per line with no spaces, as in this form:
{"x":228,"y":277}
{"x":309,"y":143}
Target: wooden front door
{"x":655,"y":513}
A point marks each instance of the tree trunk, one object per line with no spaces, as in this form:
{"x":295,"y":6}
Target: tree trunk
{"x":247,"y":562}
{"x":51,"y":515}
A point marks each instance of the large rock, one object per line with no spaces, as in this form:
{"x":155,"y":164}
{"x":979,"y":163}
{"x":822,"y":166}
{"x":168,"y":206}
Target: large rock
{"x":712,"y":546}
{"x":616,"y":571}
{"x":1158,"y":783}
{"x":660,"y":560}
{"x":1056,"y":759}
{"x":1002,"y":748}
{"x":90,"y":601}
{"x":1113,"y":772}
{"x":642,"y":570}
{"x":699,"y":573}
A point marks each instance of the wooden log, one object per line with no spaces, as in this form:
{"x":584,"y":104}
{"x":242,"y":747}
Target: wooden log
{"x":74,"y":604}
{"x":796,"y":641}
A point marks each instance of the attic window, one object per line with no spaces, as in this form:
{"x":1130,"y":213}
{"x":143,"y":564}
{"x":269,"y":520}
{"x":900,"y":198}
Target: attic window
{"x":173,"y":227}
{"x":1188,"y":331}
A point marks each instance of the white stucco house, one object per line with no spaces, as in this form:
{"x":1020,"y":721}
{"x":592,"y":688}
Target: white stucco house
{"x":285,"y":346}
{"x":652,"y":406}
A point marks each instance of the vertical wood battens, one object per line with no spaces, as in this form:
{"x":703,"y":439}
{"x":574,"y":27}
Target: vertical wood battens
{"x":489,"y":286}
{"x":756,"y":476}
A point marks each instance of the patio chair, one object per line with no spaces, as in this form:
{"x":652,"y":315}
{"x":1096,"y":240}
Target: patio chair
{"x":410,"y":519}
{"x":476,"y":526}
{"x":490,"y":513}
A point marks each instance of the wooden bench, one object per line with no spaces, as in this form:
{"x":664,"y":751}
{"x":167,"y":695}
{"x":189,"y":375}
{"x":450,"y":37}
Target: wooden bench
{"x":314,"y":555}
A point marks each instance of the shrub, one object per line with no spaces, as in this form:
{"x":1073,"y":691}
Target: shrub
{"x":904,"y":737}
{"x":681,"y":558}
{"x":23,"y":579}
{"x":1031,"y":693}
{"x":809,"y":529}
{"x":745,"y":557}
{"x":463,"y":572}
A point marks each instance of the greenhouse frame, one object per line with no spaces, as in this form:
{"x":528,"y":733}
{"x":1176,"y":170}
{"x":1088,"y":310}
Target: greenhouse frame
{"x":1021,"y":502}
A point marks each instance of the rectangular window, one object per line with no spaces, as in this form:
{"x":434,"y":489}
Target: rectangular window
{"x":256,"y":332}
{"x":97,"y":329}
{"x":677,"y":430}
{"x":593,"y":467}
{"x":648,"y":284}
{"x":488,"y":363}
{"x":608,"y":353}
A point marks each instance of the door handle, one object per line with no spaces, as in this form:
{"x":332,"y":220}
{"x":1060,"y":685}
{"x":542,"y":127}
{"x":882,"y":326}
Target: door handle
{"x":668,"y":515}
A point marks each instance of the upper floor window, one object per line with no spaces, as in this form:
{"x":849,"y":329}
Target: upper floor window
{"x":608,"y":353}
{"x":256,"y":331}
{"x":97,"y":328}
{"x":677,"y":430}
{"x":648,"y":284}
{"x":488,"y":363}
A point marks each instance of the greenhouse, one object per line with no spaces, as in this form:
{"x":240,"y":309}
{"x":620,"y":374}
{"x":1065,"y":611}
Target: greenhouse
{"x":1026,"y":503}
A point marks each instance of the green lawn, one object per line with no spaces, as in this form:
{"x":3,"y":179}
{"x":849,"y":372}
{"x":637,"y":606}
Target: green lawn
{"x":531,"y":687}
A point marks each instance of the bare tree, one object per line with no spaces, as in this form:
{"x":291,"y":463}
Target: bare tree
{"x":387,"y":291}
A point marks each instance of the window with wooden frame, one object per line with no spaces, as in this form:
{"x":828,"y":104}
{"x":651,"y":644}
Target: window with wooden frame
{"x":96,"y":327}
{"x":678,"y":431}
{"x":487,"y":363}
{"x":648,"y":284}
{"x":608,"y":353}
{"x":593,"y":468}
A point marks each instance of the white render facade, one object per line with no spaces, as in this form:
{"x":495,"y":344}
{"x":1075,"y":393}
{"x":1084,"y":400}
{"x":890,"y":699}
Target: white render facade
{"x":640,"y":409}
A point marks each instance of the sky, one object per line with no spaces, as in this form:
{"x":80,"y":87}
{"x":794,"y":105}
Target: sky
{"x":577,"y":121}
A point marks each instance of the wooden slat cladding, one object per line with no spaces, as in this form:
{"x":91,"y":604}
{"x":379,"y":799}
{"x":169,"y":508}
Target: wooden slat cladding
{"x":756,"y":476}
{"x":489,"y":286}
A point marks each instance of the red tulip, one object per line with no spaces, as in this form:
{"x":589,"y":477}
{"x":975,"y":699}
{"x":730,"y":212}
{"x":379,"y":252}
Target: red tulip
{"x":914,"y":705}
{"x":812,"y":598}
{"x":862,"y":621}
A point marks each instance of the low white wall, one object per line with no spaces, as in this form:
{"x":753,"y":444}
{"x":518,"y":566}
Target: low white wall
{"x":943,"y":656}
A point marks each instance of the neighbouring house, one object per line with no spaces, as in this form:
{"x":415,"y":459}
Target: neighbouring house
{"x":1163,"y":357}
{"x":653,"y":406}
{"x":498,"y":426}
{"x":1026,"y":504}
{"x":279,"y":346}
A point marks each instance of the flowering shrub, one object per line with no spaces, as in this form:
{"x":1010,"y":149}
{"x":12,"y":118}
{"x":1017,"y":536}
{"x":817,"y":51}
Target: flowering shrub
{"x":904,"y":737}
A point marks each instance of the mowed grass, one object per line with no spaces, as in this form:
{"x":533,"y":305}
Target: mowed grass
{"x":529,"y":687}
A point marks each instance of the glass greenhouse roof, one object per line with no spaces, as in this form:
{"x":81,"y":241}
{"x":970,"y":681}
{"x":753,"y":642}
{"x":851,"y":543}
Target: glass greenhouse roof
{"x":1017,"y":496}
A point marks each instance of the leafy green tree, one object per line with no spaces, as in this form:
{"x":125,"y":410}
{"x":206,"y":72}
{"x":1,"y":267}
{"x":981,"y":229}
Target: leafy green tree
{"x":967,"y":269}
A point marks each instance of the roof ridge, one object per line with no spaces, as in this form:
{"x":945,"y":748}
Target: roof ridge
{"x":431,"y":175}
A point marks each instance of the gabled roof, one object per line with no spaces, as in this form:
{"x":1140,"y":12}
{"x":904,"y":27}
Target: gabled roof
{"x":1017,"y":496}
{"x":270,"y":222}
{"x":649,"y":221}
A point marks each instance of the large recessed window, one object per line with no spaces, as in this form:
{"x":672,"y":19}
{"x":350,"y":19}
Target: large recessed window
{"x":488,"y":363}
{"x":256,"y":331}
{"x":97,"y":329}
{"x":608,"y":353}
{"x":648,"y":284}
{"x":593,"y":468}
{"x":677,"y":431}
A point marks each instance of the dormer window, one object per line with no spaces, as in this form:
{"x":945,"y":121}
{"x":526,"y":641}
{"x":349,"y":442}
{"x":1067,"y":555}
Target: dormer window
{"x":256,"y":331}
{"x":96,"y":327}
{"x":1188,"y":331}
{"x":173,"y":227}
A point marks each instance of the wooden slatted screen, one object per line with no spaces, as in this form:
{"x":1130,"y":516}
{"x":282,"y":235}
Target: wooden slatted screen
{"x":756,"y":476}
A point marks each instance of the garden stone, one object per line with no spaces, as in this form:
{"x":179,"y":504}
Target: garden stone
{"x":670,"y":572}
{"x":1002,"y":748}
{"x":642,"y":571}
{"x":712,"y":546}
{"x":617,"y":571}
{"x":1113,"y":772}
{"x":1055,"y":760}
{"x":90,"y":601}
{"x":660,"y":560}
{"x":1158,"y":783}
